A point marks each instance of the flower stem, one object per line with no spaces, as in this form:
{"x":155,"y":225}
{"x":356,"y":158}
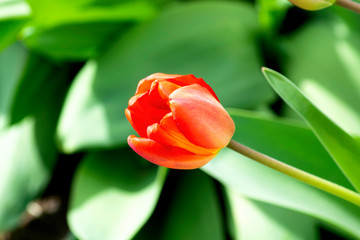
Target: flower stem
{"x":298,"y":174}
{"x":351,"y":5}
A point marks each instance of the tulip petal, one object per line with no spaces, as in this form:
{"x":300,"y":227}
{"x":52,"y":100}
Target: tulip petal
{"x":167,"y":156}
{"x":190,"y":79}
{"x":145,"y":84}
{"x":155,"y":96}
{"x":167,"y":133}
{"x":200,"y":117}
{"x":166,"y":88}
{"x":139,"y":122}
{"x":181,"y":80}
{"x":142,"y":114}
{"x":141,"y":105}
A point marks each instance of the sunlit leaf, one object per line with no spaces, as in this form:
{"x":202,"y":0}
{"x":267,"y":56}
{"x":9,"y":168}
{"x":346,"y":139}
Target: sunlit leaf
{"x":248,"y":216}
{"x":113,"y":195}
{"x":27,"y":147}
{"x":22,"y":173}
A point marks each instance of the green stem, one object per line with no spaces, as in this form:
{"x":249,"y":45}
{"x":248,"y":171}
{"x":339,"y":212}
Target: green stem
{"x":298,"y":174}
{"x":351,"y":5}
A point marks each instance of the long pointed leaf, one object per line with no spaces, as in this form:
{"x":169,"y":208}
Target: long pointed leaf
{"x":343,"y":148}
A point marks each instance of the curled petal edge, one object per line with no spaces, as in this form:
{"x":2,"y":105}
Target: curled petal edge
{"x":167,"y":156}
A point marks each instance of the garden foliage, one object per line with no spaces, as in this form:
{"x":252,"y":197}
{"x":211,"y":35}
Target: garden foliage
{"x":68,"y":69}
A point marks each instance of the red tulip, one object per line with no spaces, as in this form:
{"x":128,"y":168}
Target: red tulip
{"x":180,"y":121}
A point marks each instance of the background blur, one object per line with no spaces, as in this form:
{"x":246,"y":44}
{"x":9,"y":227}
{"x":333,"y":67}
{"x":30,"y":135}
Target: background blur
{"x":68,"y":68}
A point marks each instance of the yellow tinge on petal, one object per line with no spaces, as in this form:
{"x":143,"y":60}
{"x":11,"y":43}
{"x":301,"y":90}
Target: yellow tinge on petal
{"x":312,"y":5}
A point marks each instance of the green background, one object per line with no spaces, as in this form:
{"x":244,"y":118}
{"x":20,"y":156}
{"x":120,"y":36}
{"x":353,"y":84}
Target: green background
{"x":68,"y":69}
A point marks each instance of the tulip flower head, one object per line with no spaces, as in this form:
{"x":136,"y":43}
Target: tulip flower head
{"x":180,"y":121}
{"x":312,"y":5}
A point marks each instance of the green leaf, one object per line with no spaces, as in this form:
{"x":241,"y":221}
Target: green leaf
{"x":333,"y":86}
{"x":34,"y":95}
{"x":13,"y":15}
{"x":188,"y":209}
{"x":293,"y":144}
{"x":113,"y":195}
{"x":289,"y":138}
{"x":263,"y":184}
{"x":212,"y":40}
{"x":24,"y":173}
{"x":12,"y":61}
{"x":344,"y":149}
{"x":27,"y":147}
{"x":248,"y":216}
{"x":81,"y":29}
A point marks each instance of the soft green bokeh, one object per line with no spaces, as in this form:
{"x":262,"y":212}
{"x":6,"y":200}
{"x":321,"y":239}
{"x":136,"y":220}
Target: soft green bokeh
{"x":13,"y":15}
{"x":333,"y":82}
{"x":68,"y":69}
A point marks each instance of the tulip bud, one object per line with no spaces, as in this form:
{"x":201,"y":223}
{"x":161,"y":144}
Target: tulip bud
{"x":180,"y":121}
{"x":312,"y":5}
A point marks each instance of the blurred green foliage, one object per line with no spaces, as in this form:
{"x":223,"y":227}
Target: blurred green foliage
{"x":68,"y":68}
